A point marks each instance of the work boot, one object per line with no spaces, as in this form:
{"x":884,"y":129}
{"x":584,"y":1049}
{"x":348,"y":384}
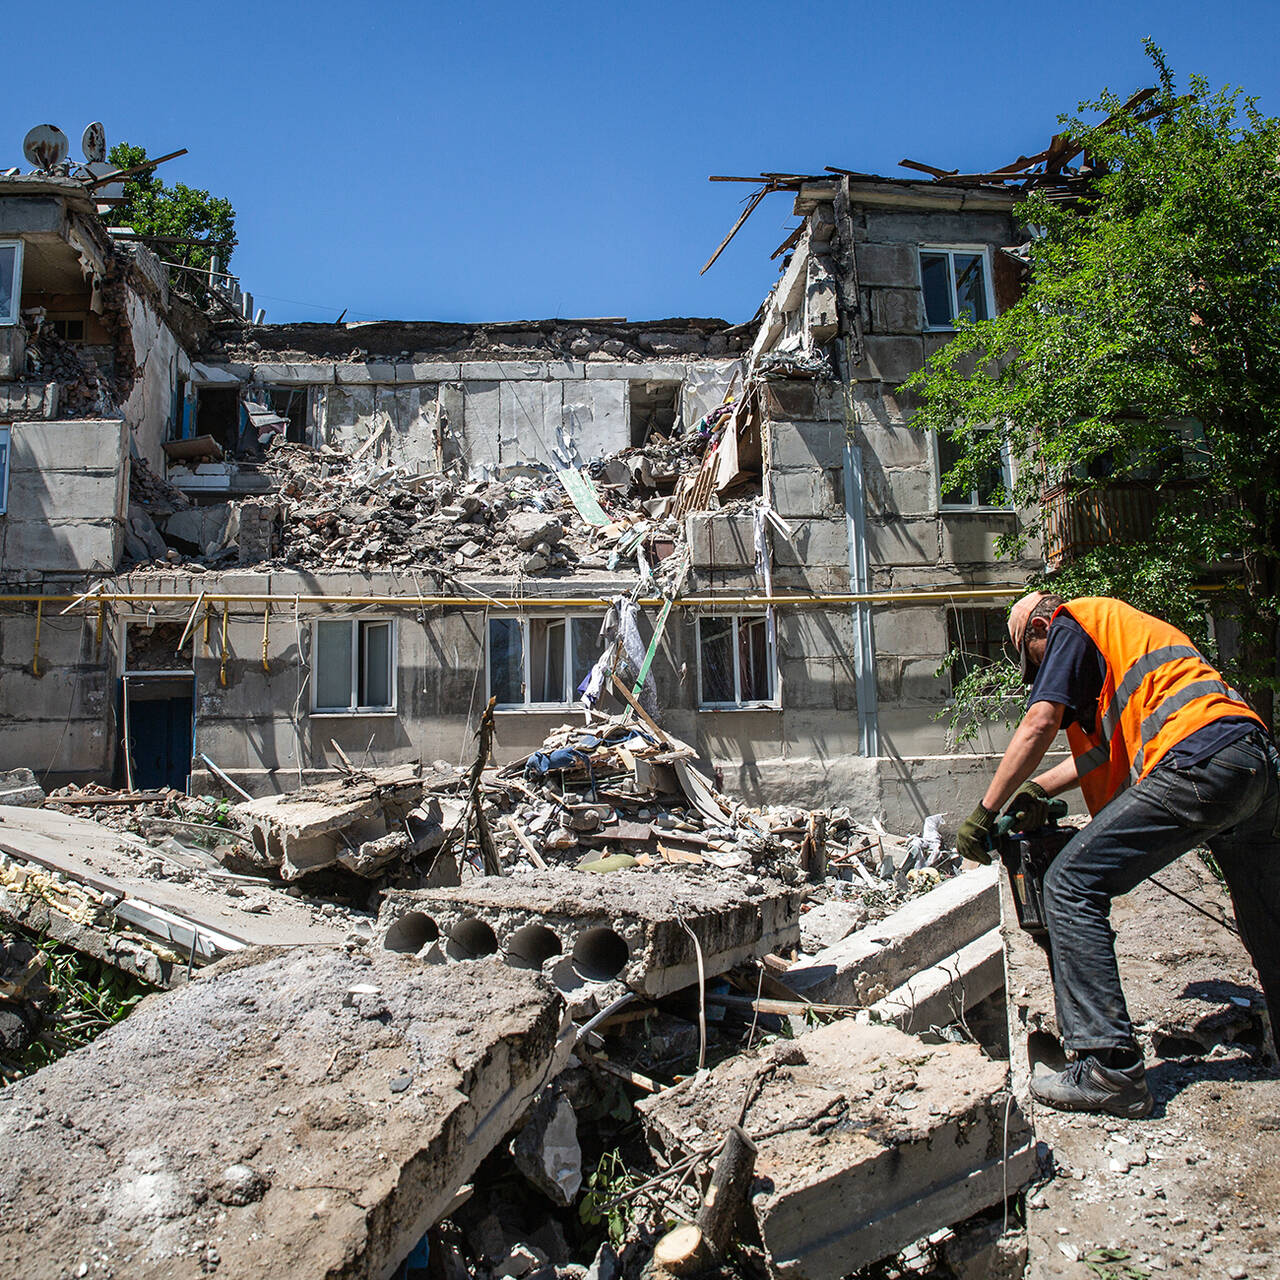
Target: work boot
{"x":1086,"y":1085}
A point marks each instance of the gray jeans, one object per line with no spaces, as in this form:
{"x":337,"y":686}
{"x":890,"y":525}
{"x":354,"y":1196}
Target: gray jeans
{"x":1231,"y":803}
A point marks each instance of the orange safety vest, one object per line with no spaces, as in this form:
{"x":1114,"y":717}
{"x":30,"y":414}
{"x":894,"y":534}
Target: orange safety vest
{"x":1158,"y":690}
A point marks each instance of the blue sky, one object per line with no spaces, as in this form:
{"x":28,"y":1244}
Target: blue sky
{"x":503,"y":160}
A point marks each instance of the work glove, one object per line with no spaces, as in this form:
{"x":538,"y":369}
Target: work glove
{"x":1029,"y":807}
{"x":974,"y":839}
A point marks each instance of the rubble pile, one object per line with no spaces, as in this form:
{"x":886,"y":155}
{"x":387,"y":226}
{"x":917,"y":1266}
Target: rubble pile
{"x":85,"y":390}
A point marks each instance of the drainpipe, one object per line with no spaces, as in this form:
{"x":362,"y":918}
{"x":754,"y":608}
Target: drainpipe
{"x":864,"y":654}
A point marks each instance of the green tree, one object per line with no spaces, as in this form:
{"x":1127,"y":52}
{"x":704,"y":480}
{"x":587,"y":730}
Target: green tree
{"x":1146,"y":346}
{"x":153,"y":209}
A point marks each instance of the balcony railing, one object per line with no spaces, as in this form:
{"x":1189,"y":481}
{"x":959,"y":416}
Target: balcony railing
{"x":1080,"y":520}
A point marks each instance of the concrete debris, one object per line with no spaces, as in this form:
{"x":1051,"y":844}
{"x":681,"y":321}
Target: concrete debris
{"x":19,"y":787}
{"x":546,"y":1149}
{"x":107,"y":1170}
{"x":653,"y":930}
{"x":867,"y":1139}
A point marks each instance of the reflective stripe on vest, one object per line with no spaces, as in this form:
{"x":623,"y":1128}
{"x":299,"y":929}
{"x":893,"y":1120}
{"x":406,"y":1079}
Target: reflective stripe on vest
{"x":1156,"y":720}
{"x":1136,"y":674}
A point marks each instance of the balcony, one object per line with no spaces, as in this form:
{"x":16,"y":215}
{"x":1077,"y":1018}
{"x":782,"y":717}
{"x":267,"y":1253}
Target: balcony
{"x":1081,"y":520}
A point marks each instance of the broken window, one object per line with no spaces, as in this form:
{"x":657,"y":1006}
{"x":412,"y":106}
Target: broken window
{"x":735,"y":661}
{"x":977,"y":638}
{"x":10,"y":280}
{"x":4,"y":470}
{"x":218,"y":415}
{"x":540,"y":661}
{"x":654,"y":408}
{"x":993,"y":483}
{"x":352,"y":664}
{"x":291,"y":404}
{"x":955,"y":284}
{"x":69,"y":330}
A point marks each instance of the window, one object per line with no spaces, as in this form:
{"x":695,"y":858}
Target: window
{"x":291,"y":404}
{"x":68,"y":330}
{"x":654,"y":407}
{"x":352,"y":665}
{"x":4,"y":470}
{"x":955,"y":284}
{"x":993,"y":483}
{"x":735,"y":661}
{"x":978,"y":638}
{"x":10,"y":280}
{"x":540,"y":662}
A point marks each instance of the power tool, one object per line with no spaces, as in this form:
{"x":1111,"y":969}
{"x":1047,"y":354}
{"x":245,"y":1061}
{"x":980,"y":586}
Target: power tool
{"x":1026,"y":856}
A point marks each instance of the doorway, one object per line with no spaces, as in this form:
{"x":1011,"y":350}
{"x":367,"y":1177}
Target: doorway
{"x":158,"y":712}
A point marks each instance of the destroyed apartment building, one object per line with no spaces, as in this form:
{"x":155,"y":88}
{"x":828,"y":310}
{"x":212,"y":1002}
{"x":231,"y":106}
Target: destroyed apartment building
{"x":471,"y":757}
{"x":254,"y":547}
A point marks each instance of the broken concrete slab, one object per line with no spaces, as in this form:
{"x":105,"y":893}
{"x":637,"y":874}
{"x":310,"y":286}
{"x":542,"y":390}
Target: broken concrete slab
{"x":19,"y":787}
{"x":868,"y":1139}
{"x":112,"y":896}
{"x":308,"y":830}
{"x":946,"y":991}
{"x":828,"y":923}
{"x":300,"y":1130}
{"x":588,"y":929}
{"x":866,"y":966}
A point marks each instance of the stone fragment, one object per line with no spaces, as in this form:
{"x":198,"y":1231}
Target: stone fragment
{"x":829,"y":923}
{"x":529,"y":528}
{"x":546,"y":1150}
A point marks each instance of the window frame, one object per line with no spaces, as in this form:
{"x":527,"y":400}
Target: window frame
{"x":6,"y":451}
{"x":772,"y":702}
{"x":15,"y":311}
{"x":983,"y":251}
{"x":956,"y":640}
{"x":357,"y":677}
{"x":1006,"y":477}
{"x":526,"y":647}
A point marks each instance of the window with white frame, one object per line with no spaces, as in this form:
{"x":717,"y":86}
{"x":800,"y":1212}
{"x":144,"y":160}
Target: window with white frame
{"x":992,"y":485}
{"x":540,"y":662}
{"x":955,"y":284}
{"x":10,"y":280}
{"x":4,"y":469}
{"x":736,"y":666}
{"x":353,"y":665}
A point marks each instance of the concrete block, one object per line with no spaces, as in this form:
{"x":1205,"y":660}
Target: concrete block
{"x":920,"y":682}
{"x":594,"y":418}
{"x":32,"y":215}
{"x":295,"y":374}
{"x":821,"y":313}
{"x":888,"y":359}
{"x":878,"y":405}
{"x":372,"y":371}
{"x":901,"y":491}
{"x":943,"y":993}
{"x":13,"y":352}
{"x":502,"y":370}
{"x":908,"y":540}
{"x":19,"y":787}
{"x":927,"y":1135}
{"x":891,"y":447}
{"x":971,"y":537}
{"x":64,"y":495}
{"x":815,"y":633}
{"x":428,"y":371}
{"x":639,"y":371}
{"x":806,"y":493}
{"x":814,"y":543}
{"x":329,"y":1104}
{"x":807,"y":444}
{"x":804,"y":400}
{"x":807,"y":682}
{"x":62,"y":547}
{"x":910,"y":630}
{"x":586,"y":929}
{"x":867,"y":966}
{"x":888,"y":264}
{"x":482,"y":415}
{"x":94,"y":444}
{"x":720,"y":541}
{"x":896,"y":311}
{"x":828,"y":923}
{"x":918,"y":227}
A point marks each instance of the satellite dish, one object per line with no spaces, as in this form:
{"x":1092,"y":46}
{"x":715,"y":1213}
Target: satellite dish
{"x":94,"y":143}
{"x":46,"y":146}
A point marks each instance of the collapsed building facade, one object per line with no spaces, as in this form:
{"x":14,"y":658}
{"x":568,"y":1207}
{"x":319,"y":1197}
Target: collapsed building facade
{"x":254,"y":547}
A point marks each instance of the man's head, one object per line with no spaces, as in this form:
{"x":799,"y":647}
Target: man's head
{"x":1029,"y":629}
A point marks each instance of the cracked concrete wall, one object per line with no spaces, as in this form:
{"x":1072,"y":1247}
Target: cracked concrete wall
{"x":159,"y":360}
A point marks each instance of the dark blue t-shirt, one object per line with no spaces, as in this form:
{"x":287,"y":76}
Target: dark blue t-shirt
{"x":1073,"y":672}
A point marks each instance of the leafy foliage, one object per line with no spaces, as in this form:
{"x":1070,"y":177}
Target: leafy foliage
{"x":90,"y":997}
{"x":608,"y":1180}
{"x":986,"y":693}
{"x":151,"y":208}
{"x":1146,"y":349}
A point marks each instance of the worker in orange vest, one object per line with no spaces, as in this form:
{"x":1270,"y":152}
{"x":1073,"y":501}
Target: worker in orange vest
{"x":1169,"y":757}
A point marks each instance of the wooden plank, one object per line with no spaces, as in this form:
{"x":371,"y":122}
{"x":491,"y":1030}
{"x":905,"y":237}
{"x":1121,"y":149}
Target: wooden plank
{"x":525,"y":843}
{"x":582,"y":493}
{"x":645,"y":718}
{"x":109,"y":797}
{"x":737,"y":226}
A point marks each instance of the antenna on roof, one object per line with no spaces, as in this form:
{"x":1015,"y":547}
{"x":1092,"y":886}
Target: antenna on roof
{"x":45,"y":146}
